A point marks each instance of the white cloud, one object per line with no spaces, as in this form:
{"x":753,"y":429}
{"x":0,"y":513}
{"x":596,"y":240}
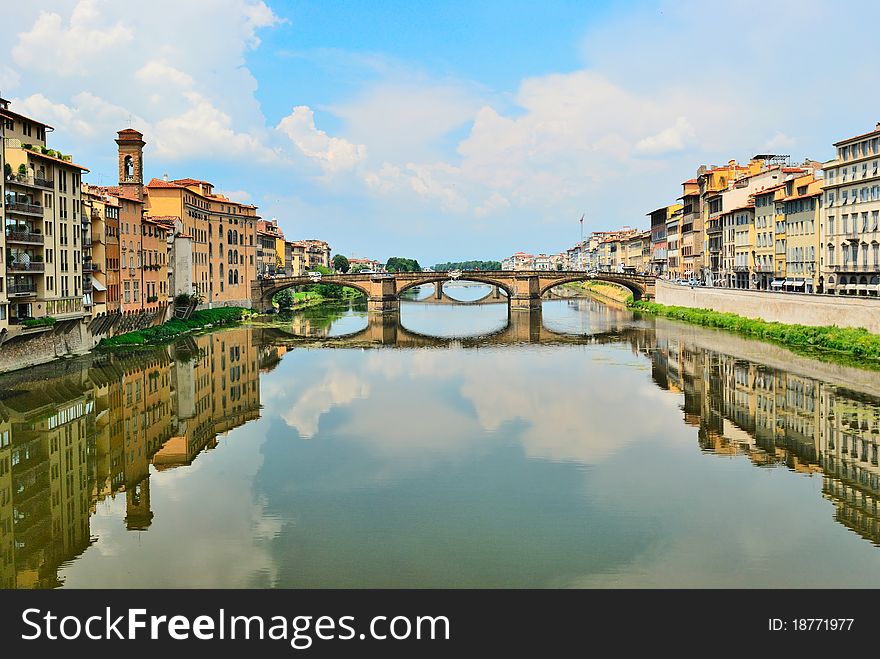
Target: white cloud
{"x":332,"y":154}
{"x":69,"y":49}
{"x":670,"y":140}
{"x":780,"y":141}
{"x":159,"y":71}
{"x":205,"y":131}
{"x":336,"y":389}
{"x":405,"y":119}
{"x":494,"y":202}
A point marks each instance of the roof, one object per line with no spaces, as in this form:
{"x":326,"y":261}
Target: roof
{"x":159,"y":183}
{"x":859,"y":137}
{"x":190,"y":181}
{"x":13,"y":114}
{"x":69,"y":163}
{"x":772,"y":188}
{"x":793,"y":170}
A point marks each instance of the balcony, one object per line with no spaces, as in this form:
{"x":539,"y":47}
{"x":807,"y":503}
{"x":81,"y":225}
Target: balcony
{"x":28,"y":237}
{"x":97,"y":237}
{"x":854,"y":267}
{"x":25,"y":209}
{"x":90,"y":266}
{"x":87,"y":241}
{"x":21,"y":289}
{"x":31,"y":181}
{"x":32,"y":266}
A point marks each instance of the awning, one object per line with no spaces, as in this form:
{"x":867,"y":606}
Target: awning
{"x":797,"y":284}
{"x":777,"y":283}
{"x":98,"y":286}
{"x":852,"y":287}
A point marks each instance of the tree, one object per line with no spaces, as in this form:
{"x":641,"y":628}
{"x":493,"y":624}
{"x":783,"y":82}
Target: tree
{"x":357,"y":267}
{"x":341,"y":264}
{"x":398,"y":264}
{"x":468,"y":265}
{"x":284,"y":299}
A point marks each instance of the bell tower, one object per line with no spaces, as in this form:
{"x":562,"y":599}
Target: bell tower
{"x":131,"y":162}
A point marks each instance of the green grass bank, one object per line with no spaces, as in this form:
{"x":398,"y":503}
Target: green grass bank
{"x":858,"y":343}
{"x":204,"y":319}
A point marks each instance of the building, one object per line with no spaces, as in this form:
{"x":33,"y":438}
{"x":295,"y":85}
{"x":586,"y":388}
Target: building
{"x":673,"y":244}
{"x":765,"y":238}
{"x":691,"y":231}
{"x":743,"y":220}
{"x":801,"y":207}
{"x":220,"y":235}
{"x":317,"y":254}
{"x":42,"y":265}
{"x":365,"y":264}
{"x":659,"y":241}
{"x":268,"y":237}
{"x":850,"y":234}
{"x":294,"y":258}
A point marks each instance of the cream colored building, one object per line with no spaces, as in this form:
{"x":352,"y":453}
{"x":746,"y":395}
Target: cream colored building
{"x":42,"y":260}
{"x":850,"y":237}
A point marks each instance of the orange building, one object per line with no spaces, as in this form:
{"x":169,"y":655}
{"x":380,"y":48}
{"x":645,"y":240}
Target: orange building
{"x":224,"y":237}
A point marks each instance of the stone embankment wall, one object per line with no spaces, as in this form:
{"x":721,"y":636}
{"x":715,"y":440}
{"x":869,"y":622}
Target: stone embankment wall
{"x":790,"y":308}
{"x":26,"y":348}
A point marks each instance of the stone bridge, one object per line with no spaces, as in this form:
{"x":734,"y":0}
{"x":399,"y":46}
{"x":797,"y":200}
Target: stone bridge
{"x":524,"y":289}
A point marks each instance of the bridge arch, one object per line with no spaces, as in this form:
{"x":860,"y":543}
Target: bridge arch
{"x":466,"y":276}
{"x":269,"y":291}
{"x":636,"y":287}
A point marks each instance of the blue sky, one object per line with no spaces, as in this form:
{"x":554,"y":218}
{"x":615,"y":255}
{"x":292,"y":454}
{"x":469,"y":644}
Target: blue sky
{"x":442,"y":131}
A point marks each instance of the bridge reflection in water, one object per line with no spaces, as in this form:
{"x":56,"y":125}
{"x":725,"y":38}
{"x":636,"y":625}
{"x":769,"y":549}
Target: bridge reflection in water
{"x":73,"y":436}
{"x":386,"y":329}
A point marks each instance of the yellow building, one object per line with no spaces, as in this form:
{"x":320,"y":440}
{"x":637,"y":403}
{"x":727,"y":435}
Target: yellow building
{"x":801,"y":208}
{"x":765,"y":241}
{"x":744,"y":237}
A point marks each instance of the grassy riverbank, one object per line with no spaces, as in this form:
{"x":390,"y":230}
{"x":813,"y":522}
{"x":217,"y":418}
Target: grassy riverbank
{"x":602,"y":289}
{"x":206,"y":318}
{"x":841,"y":340}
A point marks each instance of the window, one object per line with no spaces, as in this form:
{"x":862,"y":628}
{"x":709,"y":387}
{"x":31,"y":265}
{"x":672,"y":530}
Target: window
{"x":126,"y":291}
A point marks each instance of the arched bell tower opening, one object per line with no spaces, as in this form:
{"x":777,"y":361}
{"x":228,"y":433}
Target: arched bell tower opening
{"x":131,"y":162}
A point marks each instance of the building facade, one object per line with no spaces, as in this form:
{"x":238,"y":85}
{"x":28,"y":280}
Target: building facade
{"x":43,"y":251}
{"x":850,"y":240}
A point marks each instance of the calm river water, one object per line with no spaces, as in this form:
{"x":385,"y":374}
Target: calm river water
{"x":586,"y":448}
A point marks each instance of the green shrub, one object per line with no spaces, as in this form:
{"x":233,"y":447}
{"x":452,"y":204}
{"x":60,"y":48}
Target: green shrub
{"x":177,"y":327}
{"x":45,"y":321}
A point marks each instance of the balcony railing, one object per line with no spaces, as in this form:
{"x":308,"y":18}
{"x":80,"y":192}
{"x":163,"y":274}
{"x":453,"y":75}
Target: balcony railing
{"x":36,"y":181}
{"x":25,"y":237}
{"x":33,"y":266}
{"x":19,"y":207}
{"x":91,"y":266}
{"x":854,"y":267}
{"x":21,"y":289}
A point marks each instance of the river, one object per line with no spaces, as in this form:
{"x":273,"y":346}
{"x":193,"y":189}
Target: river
{"x":588,"y":447}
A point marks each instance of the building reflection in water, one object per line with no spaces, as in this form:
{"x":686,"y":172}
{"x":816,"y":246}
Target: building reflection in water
{"x":776,"y":417}
{"x":81,"y":435}
{"x":74,"y":439}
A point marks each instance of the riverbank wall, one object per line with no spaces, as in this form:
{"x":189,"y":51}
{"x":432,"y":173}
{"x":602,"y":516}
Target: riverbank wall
{"x":26,"y":347}
{"x":789,"y":308}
